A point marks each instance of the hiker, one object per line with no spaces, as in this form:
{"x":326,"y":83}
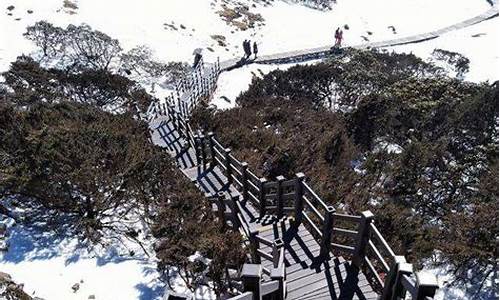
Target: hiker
{"x":246,"y":48}
{"x":337,"y":32}
{"x":339,"y":42}
{"x":255,"y":49}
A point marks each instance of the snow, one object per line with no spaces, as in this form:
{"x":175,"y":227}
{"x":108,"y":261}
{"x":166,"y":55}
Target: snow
{"x":231,"y":84}
{"x":50,"y":266}
{"x":139,"y":23}
{"x":482,"y":50}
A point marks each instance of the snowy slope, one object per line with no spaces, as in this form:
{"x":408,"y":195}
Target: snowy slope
{"x":479,"y":43}
{"x":49,"y":266}
{"x":286,"y":26}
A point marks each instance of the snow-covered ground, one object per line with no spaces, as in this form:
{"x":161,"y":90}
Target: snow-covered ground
{"x":231,"y":84}
{"x":174,"y":28}
{"x":48,"y":266}
{"x":479,"y":43}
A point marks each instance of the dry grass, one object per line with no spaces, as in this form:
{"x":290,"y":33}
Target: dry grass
{"x":220,"y":39}
{"x":240,"y":16}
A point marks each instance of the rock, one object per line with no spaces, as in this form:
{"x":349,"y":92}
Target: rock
{"x":30,"y":11}
{"x":5,"y":277}
{"x":75,"y":287}
{"x":10,"y":7}
{"x":92,"y":297}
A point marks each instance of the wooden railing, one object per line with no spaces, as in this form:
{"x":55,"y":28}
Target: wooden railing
{"x":353,"y":235}
{"x":189,"y":91}
{"x":251,"y":274}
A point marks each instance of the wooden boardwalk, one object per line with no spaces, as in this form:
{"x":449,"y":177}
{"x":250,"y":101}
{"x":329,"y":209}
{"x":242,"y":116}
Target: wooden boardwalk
{"x":298,"y":244}
{"x":308,"y":277}
{"x":321,"y":52}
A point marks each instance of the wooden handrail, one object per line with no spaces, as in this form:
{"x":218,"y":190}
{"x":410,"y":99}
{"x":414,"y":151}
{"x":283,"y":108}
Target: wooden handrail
{"x":370,"y":248}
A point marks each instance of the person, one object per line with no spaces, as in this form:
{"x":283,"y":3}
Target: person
{"x":255,"y":49}
{"x":245,"y":48}
{"x":341,"y":33}
{"x":337,"y":33}
{"x":248,"y":50}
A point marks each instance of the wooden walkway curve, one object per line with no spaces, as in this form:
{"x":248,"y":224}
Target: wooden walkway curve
{"x":321,"y":52}
{"x":300,"y":247}
{"x":296,"y":241}
{"x":307,"y":276}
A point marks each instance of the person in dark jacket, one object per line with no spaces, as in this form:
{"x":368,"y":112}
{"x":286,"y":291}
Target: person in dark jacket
{"x":255,"y":49}
{"x":246,"y":47}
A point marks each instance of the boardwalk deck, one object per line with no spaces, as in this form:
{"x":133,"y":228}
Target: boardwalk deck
{"x":307,"y":276}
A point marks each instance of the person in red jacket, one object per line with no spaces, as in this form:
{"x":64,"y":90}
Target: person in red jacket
{"x":341,"y":36}
{"x":337,"y":32}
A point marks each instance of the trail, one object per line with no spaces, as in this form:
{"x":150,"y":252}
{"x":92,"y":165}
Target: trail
{"x":324,"y":51}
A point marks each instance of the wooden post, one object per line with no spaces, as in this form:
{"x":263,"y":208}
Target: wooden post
{"x":197,"y":152}
{"x":221,"y":208}
{"x":392,"y":282}
{"x":244,"y":181}
{"x":278,"y":272}
{"x":299,"y":193}
{"x":362,"y":239}
{"x":227,"y":151}
{"x":203,"y":152}
{"x":234,"y":211}
{"x":212,"y":149}
{"x":255,"y":245}
{"x":277,"y":245}
{"x":279,"y":196}
{"x":427,"y":285}
{"x":262,"y":197}
{"x":186,"y":110}
{"x":251,"y":275}
{"x":399,"y":292}
{"x":327,"y":233}
{"x":179,"y":104}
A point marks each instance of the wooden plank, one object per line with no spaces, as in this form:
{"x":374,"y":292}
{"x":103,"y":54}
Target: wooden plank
{"x":340,"y":288}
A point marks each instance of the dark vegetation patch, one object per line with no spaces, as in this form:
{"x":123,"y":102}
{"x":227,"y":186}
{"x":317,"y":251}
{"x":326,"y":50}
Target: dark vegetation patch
{"x":76,"y":160}
{"x":459,"y":62}
{"x":385,"y":132}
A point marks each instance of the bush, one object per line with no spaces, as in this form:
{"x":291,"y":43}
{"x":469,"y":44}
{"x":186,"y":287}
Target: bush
{"x":417,"y":148}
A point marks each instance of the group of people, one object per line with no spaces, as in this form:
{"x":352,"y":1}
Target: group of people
{"x":247,"y":47}
{"x":338,"y":37}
